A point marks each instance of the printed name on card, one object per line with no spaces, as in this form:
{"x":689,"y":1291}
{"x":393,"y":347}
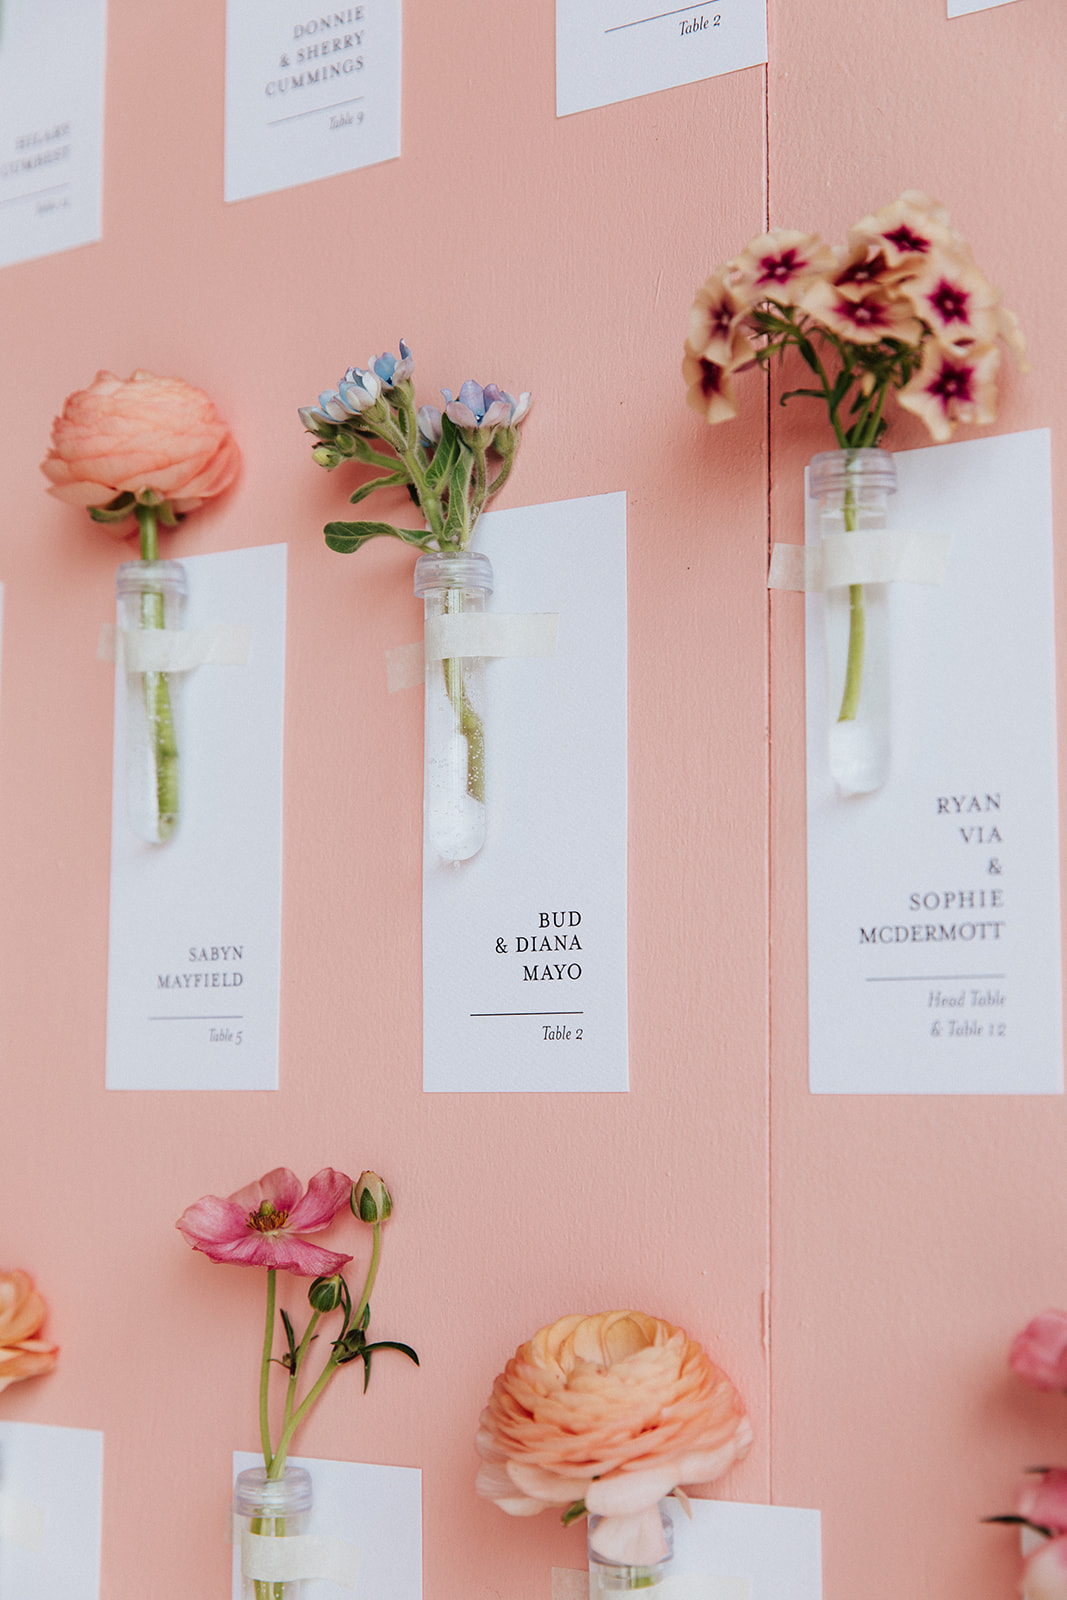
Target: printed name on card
{"x":195,"y":927}
{"x":524,"y":945}
{"x":51,"y":125}
{"x":309,"y":93}
{"x":933,"y":903}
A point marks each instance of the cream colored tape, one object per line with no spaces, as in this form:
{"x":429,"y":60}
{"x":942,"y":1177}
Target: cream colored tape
{"x":301,"y":1556}
{"x":174,"y":650}
{"x":568,"y":1585}
{"x":472,"y":633}
{"x":872,"y":555}
{"x":22,"y":1524}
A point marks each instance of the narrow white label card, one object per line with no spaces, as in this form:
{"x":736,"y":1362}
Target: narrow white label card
{"x":51,"y":125}
{"x":310,"y":91}
{"x":609,"y":50}
{"x":195,"y":942}
{"x":376,"y":1512}
{"x":524,"y":945}
{"x":961,"y":8}
{"x":51,"y":1495}
{"x":731,"y":1551}
{"x":933,"y":904}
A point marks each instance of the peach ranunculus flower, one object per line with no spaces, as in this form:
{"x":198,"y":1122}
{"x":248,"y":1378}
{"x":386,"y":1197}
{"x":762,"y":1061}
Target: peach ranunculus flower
{"x":612,"y":1411}
{"x":1038,"y":1352}
{"x":1044,"y":1573}
{"x":22,"y":1311}
{"x":158,"y":441}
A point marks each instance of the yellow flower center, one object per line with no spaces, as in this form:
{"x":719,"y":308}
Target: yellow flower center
{"x":266,"y":1219}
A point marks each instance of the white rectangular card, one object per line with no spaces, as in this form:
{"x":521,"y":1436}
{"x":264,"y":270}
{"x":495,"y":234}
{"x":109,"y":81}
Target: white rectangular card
{"x":524,"y":945}
{"x":195,"y":938}
{"x":961,"y":8}
{"x":378,"y":1510}
{"x":933,"y":904}
{"x":51,"y":125}
{"x":51,"y":1495}
{"x":731,"y":1551}
{"x":309,"y":92}
{"x":609,"y":50}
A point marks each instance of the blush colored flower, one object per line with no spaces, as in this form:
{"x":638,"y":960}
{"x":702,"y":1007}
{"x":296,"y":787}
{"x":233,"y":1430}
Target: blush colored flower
{"x":615,"y":1410}
{"x":1044,"y":1502}
{"x":1044,"y":1573}
{"x":22,"y":1312}
{"x":158,"y":439}
{"x":779,"y":266}
{"x":258,"y":1226}
{"x":1038,"y":1354}
{"x":711,"y":390}
{"x":952,"y":387}
{"x":907,"y":230}
{"x":958,"y":304}
{"x":862,"y":318}
{"x":713,"y":321}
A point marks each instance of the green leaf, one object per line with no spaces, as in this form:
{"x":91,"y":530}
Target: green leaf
{"x":369,"y":487}
{"x":458,"y":489}
{"x":289,"y":1359}
{"x":445,"y":454}
{"x":392,"y":1344}
{"x":575,"y":1510}
{"x":348,"y":536}
{"x":116,"y":510}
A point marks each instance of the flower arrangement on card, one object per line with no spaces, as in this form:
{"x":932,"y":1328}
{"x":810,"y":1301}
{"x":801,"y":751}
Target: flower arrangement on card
{"x":605,"y":1416}
{"x":22,"y":1314}
{"x":264,"y":1225}
{"x":139,"y":455}
{"x":451,"y":463}
{"x":1038,"y":1355}
{"x":900,"y":309}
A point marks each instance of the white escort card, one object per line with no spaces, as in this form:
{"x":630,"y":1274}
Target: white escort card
{"x":961,"y":8}
{"x":51,"y":1496}
{"x":195,"y":933}
{"x":364,"y":1529}
{"x":730,"y":1551}
{"x":933,"y":904}
{"x":524,"y":945}
{"x":609,"y":50}
{"x":310,"y":91}
{"x":51,"y":125}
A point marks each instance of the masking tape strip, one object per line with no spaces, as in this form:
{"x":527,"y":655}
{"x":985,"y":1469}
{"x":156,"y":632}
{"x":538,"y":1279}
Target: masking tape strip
{"x":568,"y":1585}
{"x":22,"y":1524}
{"x":871,"y":555}
{"x":226,"y":644}
{"x":301,"y":1556}
{"x":472,"y":633}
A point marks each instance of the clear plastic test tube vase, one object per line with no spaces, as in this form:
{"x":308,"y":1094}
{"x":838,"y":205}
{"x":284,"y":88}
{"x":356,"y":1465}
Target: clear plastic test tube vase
{"x":269,"y":1508}
{"x":151,"y":595}
{"x":454,"y":585}
{"x":853,"y":489}
{"x":614,"y":1577}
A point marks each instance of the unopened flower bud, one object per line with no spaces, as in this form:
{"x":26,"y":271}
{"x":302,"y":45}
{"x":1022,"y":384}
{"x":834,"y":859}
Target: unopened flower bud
{"x":324,"y":455}
{"x":326,"y":1294}
{"x":371,"y":1201}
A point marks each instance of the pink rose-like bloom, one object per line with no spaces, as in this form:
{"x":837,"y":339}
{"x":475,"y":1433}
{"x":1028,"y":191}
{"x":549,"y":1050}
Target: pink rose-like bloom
{"x":257,"y":1226}
{"x":617,"y":1410}
{"x":22,"y":1311}
{"x":1044,"y":1573}
{"x":1044,"y":1503}
{"x":158,"y":439}
{"x":1038,"y":1354}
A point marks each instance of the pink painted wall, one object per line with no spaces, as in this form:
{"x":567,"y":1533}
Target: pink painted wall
{"x":890,"y":1246}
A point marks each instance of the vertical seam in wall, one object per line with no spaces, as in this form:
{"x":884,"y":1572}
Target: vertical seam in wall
{"x":768,"y":1278}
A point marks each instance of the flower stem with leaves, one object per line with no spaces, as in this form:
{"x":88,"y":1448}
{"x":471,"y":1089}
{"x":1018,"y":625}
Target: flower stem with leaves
{"x":159,"y":710}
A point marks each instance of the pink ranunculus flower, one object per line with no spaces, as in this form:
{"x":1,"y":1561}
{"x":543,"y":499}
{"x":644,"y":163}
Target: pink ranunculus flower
{"x":616,"y":1409}
{"x":1044,"y":1502}
{"x":1038,"y":1354}
{"x":258,"y":1226}
{"x":22,"y":1311}
{"x":1044,"y":1573}
{"x":158,"y":439}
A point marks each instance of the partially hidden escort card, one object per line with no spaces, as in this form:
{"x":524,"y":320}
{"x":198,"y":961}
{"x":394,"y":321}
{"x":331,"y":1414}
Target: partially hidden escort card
{"x":364,"y":1531}
{"x":933,"y":904}
{"x":962,"y":8}
{"x":195,"y":931}
{"x":51,"y":1497}
{"x":524,"y":945}
{"x":731,"y":1551}
{"x":309,"y":92}
{"x":610,"y":50}
{"x":51,"y":125}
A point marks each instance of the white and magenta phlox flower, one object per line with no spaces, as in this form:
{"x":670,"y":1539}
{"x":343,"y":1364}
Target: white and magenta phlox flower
{"x":713,"y":320}
{"x":907,"y":231}
{"x":711,"y":390}
{"x":953,"y":386}
{"x":862,"y":318}
{"x":258,"y":1225}
{"x":955,"y":301}
{"x":779,"y":266}
{"x":484,"y":409}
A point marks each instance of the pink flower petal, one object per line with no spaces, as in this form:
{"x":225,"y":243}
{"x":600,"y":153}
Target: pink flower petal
{"x":281,"y":1250}
{"x":1044,"y":1574}
{"x":213,"y":1221}
{"x":327,"y":1192}
{"x":280,"y":1187}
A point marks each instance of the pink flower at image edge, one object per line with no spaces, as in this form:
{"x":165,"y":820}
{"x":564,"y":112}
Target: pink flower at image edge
{"x":144,"y":433}
{"x":22,"y":1312}
{"x":1044,"y":1573}
{"x":1038,"y":1353}
{"x":258,"y":1225}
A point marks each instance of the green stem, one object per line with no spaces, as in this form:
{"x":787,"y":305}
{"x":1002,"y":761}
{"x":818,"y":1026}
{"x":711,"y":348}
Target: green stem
{"x":264,"y":1373}
{"x":471,"y":725}
{"x":857,"y":621}
{"x":372,"y":1273}
{"x":298,"y":1361}
{"x":158,"y":709}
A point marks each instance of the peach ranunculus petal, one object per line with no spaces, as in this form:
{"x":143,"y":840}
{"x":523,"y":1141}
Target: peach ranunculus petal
{"x":22,"y":1311}
{"x":616,"y":1409}
{"x":147,"y":433}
